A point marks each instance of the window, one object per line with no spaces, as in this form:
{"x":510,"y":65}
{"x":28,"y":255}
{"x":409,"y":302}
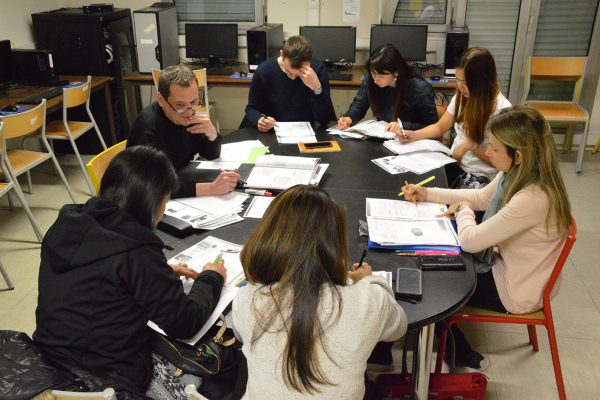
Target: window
{"x":246,"y":13}
{"x":420,"y":12}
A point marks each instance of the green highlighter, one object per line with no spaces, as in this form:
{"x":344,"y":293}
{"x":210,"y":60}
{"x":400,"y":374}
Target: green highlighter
{"x":218,"y":258}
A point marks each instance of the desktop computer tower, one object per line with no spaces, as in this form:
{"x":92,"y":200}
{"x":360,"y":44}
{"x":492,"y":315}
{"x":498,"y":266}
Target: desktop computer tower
{"x":33,"y":67}
{"x":457,"y":41}
{"x":263,"y":42}
{"x":92,"y":43}
{"x":156,"y":36}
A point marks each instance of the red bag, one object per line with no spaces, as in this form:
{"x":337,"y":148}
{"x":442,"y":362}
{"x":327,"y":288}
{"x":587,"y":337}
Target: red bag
{"x":441,"y":386}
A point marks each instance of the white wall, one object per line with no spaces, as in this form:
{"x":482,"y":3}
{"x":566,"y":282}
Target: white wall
{"x":15,"y":20}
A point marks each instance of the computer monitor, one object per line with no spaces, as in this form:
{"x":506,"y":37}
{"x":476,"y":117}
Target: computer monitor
{"x":410,"y":40}
{"x":212,"y":41}
{"x":5,"y":62}
{"x":331,"y":43}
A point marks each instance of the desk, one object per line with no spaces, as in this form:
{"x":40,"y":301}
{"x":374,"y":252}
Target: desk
{"x":137,"y":79}
{"x":350,"y":178}
{"x":55,"y":103}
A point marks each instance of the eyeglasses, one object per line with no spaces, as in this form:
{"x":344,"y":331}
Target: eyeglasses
{"x":181,"y":107}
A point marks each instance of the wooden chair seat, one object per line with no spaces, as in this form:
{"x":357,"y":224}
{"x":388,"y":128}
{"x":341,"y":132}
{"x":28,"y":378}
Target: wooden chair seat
{"x":560,"y":111}
{"x":56,"y":129}
{"x":480,"y":312}
{"x":24,"y":160}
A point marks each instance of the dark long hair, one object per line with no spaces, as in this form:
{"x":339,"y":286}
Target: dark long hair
{"x":482,"y":82}
{"x":386,"y":59}
{"x":137,"y":180}
{"x":299,"y":246}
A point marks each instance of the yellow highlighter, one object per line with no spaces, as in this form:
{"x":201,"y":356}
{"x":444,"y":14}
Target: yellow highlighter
{"x":423,"y":182}
{"x":218,"y":258}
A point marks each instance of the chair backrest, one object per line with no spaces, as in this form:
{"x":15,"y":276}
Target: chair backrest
{"x":77,"y":95}
{"x":560,"y":263}
{"x":558,"y":69}
{"x":26,"y":122}
{"x":97,"y":165}
{"x":106,"y":394}
{"x":202,"y":86}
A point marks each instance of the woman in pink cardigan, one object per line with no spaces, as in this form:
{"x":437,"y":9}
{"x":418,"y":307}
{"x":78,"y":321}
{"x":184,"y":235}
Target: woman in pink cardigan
{"x":525,"y":224}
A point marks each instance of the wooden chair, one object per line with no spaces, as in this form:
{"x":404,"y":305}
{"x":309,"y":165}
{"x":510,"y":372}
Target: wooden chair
{"x":596,"y":147}
{"x":21,"y":126}
{"x":192,"y":393}
{"x":202,"y":92}
{"x":565,"y":112}
{"x":541,"y":317}
{"x":106,"y":394}
{"x":97,"y":165}
{"x":9,"y":185}
{"x":72,"y":130}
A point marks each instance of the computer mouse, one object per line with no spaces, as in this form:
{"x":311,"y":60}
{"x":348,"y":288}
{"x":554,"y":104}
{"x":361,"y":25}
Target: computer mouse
{"x":435,"y":78}
{"x":243,"y":74}
{"x":10,"y":108}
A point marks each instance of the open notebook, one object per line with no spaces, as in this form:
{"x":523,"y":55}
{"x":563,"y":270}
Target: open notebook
{"x":282,"y":172}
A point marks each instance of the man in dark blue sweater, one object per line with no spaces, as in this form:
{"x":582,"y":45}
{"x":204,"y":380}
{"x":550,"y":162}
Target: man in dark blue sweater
{"x":291,"y":87}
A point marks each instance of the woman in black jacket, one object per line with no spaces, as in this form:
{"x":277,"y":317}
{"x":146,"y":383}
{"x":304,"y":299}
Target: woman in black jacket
{"x":394,"y":91}
{"x":103,"y":275}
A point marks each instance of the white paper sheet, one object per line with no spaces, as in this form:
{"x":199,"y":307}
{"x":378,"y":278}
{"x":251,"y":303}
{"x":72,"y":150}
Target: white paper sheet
{"x":418,"y":146}
{"x":258,"y":206}
{"x":385,"y":208}
{"x":412,"y":231}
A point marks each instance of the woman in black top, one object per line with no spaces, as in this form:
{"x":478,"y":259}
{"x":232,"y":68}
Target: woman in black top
{"x":393,"y":90}
{"x":103,"y":275}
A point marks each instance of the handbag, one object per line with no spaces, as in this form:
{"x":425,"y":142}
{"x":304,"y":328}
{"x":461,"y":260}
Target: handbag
{"x":467,"y":180}
{"x":213,"y":356}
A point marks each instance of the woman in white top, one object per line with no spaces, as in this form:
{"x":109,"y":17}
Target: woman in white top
{"x":306,"y":333}
{"x":477,"y":99}
{"x":525,"y":224}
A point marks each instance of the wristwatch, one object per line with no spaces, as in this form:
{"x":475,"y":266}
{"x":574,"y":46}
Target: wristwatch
{"x":318,"y":90}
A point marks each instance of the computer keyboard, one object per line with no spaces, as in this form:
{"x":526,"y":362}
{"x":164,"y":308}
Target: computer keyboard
{"x":219,"y":71}
{"x":37,"y":98}
{"x":337,"y":76}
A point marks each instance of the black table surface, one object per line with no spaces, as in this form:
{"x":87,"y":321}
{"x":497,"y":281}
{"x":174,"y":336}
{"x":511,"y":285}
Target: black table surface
{"x":350,"y":179}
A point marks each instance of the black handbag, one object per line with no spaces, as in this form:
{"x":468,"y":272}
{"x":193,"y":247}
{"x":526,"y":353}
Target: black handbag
{"x":211,"y":356}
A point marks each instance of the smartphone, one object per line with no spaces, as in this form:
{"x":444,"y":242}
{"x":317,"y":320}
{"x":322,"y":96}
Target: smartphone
{"x":409,"y":283}
{"x":441,"y":263}
{"x":317,"y":145}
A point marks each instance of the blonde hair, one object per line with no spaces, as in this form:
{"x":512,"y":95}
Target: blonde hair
{"x":523,"y":129}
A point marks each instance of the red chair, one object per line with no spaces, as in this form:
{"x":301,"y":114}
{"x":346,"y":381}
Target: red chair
{"x":541,"y":317}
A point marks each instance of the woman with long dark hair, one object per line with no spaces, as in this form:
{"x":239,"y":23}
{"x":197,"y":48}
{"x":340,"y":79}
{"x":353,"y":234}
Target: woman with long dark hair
{"x":393,"y":90}
{"x":306,"y":333}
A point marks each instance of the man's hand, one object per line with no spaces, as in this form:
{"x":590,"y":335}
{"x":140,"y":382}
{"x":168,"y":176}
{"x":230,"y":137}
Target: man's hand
{"x":182,"y":269}
{"x":201,"y":124}
{"x":344,"y":123}
{"x":309,"y":77}
{"x":224,"y":183}
{"x":218,"y":267}
{"x":265,"y":124}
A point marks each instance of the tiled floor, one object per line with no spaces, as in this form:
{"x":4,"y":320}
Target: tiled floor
{"x":515,"y":371}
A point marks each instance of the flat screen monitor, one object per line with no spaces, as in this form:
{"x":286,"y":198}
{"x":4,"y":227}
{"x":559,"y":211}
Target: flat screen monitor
{"x":5,"y":62}
{"x":410,"y":40}
{"x":331,"y":43}
{"x":212,"y":41}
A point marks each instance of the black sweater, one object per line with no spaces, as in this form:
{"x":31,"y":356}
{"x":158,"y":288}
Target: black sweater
{"x":274,"y":94}
{"x":102,"y":277}
{"x":154,"y":129}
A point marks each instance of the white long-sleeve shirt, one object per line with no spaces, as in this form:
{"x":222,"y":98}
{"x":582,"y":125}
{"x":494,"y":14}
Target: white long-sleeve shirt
{"x":527,"y":248}
{"x":369,"y":313}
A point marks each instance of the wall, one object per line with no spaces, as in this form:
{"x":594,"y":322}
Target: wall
{"x":15,"y":20}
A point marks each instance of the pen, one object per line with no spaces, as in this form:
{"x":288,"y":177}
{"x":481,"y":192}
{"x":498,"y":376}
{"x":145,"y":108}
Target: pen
{"x":265,"y":117}
{"x":362,"y":258}
{"x":404,"y":135}
{"x":423,"y":182}
{"x":412,"y":196}
{"x":257,"y":192}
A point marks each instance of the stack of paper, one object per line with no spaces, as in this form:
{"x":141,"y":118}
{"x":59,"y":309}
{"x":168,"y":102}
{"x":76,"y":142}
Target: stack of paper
{"x":282,"y":172}
{"x":364,"y":129}
{"x":399,"y":224}
{"x":241,"y":152}
{"x":208,"y":212}
{"x":420,"y":156}
{"x":294,"y":132}
{"x":418,"y":146}
{"x":196,"y":257}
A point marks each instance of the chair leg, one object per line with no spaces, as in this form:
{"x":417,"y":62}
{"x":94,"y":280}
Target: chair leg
{"x":568,"y":139}
{"x":6,"y":277}
{"x":560,"y":385}
{"x":34,"y":225}
{"x":82,"y":165}
{"x":533,"y":337}
{"x":29,"y":185}
{"x":10,"y":204}
{"x":581,"y":151}
{"x":441,"y":347}
{"x":62,"y":176}
{"x":596,"y":147}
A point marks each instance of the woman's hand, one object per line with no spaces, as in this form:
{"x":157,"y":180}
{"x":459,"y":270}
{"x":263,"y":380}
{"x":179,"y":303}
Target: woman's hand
{"x":358,"y":273}
{"x":405,"y":136}
{"x":181,"y":269}
{"x":344,"y":123}
{"x":463,"y":148}
{"x":418,"y":192}
{"x":218,"y":268}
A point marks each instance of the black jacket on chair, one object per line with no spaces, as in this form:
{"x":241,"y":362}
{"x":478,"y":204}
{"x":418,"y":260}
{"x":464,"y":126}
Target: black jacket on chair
{"x":102,"y":277}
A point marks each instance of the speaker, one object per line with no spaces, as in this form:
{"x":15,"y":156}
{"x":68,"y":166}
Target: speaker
{"x":457,"y":41}
{"x":263,"y":42}
{"x":33,"y":67}
{"x":156,"y":36}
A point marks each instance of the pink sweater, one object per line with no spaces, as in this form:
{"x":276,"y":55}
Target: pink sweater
{"x":526,"y":250}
